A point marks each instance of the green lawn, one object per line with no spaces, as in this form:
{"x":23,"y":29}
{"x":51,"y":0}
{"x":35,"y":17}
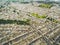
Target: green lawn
{"x":45,"y":5}
{"x":38,"y":16}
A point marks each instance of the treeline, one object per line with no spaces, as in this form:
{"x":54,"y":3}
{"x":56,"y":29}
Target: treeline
{"x":19,"y":22}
